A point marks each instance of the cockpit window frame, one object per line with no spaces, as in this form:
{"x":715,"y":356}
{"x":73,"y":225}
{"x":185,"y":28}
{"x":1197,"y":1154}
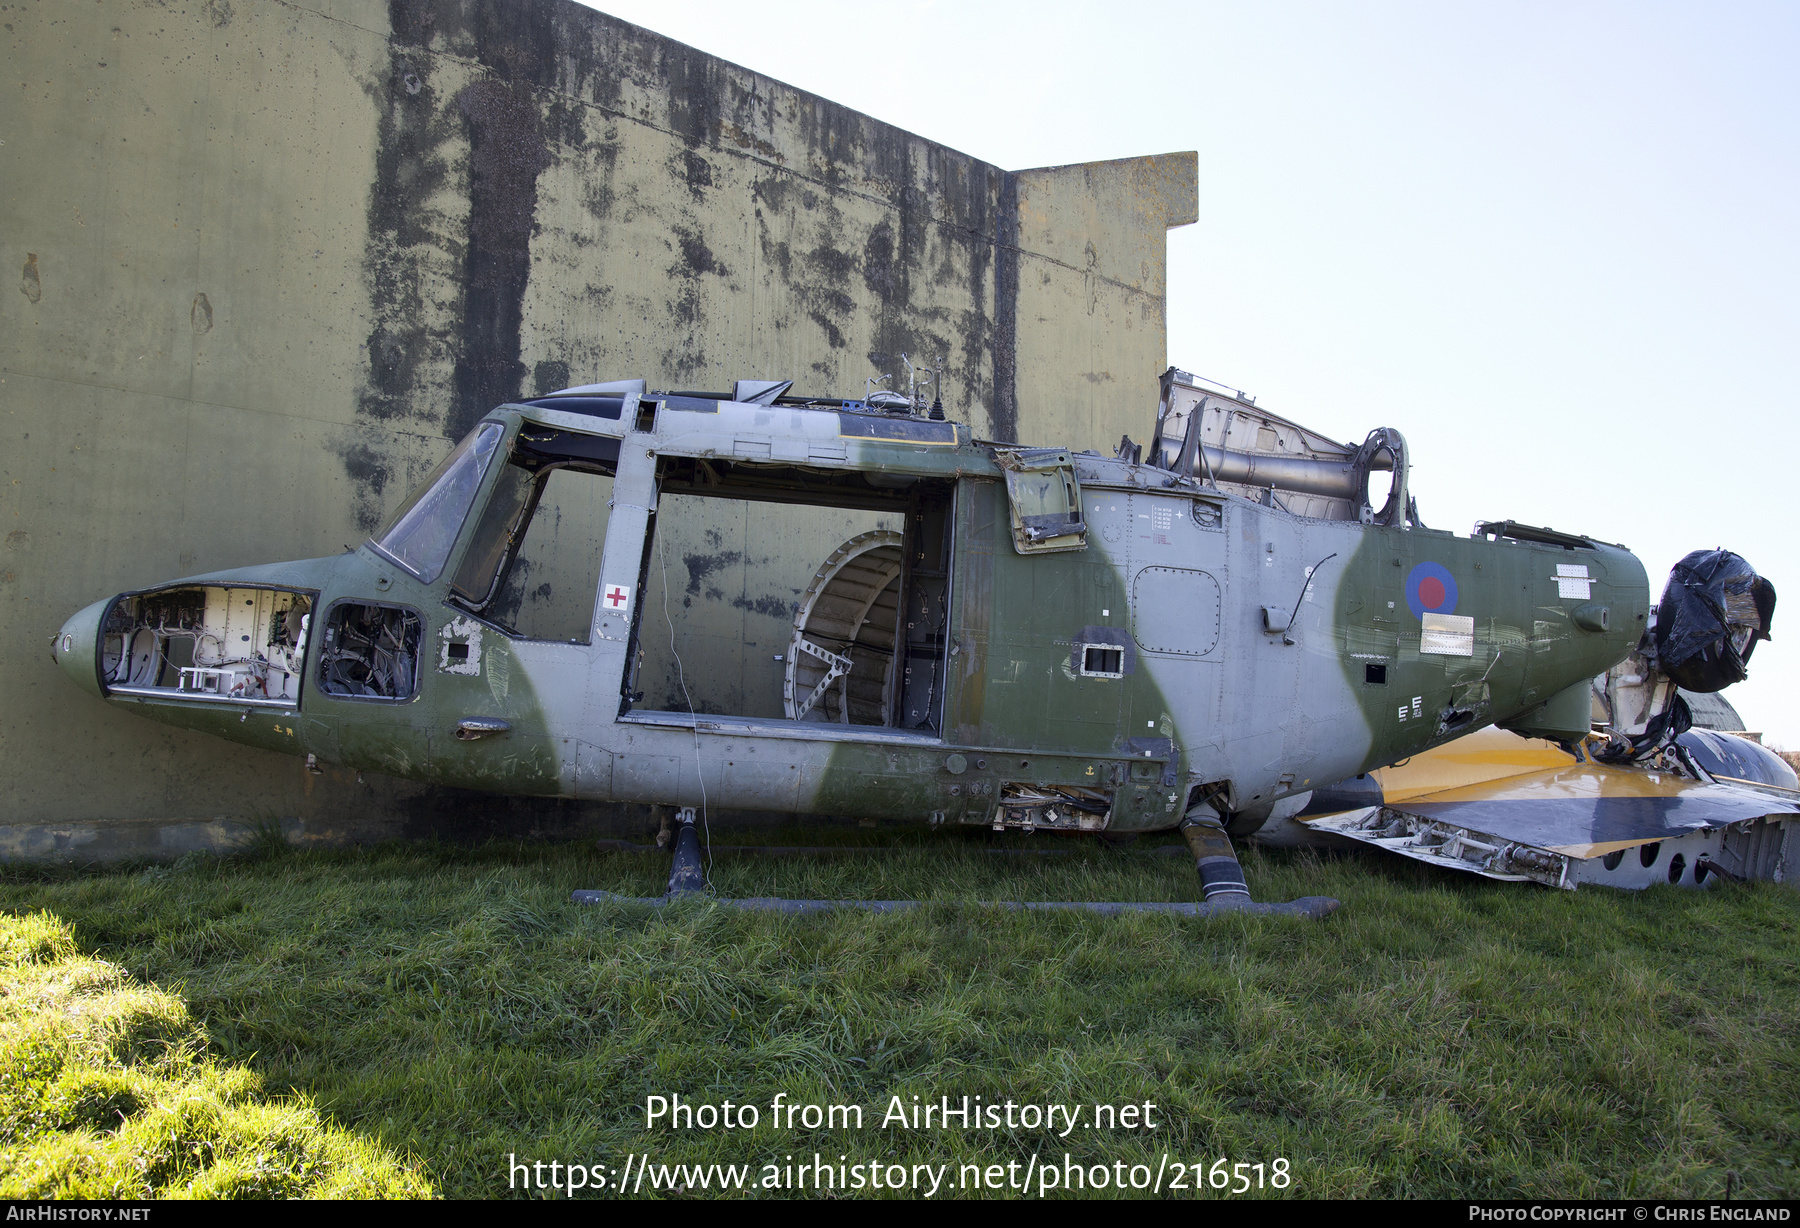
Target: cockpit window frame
{"x":513,"y":531}
{"x":439,"y":562}
{"x":538,"y":454}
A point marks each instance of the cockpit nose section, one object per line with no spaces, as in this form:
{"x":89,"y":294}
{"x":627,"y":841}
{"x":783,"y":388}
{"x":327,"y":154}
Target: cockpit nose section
{"x":76,"y":647}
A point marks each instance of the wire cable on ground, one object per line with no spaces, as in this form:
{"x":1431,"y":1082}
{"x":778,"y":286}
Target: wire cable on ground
{"x":681,"y":675}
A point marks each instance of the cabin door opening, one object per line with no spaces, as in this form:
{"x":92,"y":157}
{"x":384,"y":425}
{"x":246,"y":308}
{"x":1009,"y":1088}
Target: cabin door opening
{"x":780,"y":596}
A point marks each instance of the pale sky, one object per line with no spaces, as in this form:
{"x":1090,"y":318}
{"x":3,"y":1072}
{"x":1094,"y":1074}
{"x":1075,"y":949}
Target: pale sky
{"x":1555,"y":245}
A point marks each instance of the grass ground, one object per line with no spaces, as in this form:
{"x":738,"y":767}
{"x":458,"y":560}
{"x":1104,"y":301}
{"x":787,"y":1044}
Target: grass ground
{"x":1435,"y":1038}
{"x":106,"y":1092}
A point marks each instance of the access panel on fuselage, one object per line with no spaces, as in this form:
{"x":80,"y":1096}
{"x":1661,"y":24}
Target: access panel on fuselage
{"x":1016,"y":670}
{"x":1082,"y":650}
{"x":1172,"y":554}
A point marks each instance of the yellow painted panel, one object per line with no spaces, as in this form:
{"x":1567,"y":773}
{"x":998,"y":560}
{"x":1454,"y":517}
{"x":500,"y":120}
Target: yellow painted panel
{"x":1485,"y":755}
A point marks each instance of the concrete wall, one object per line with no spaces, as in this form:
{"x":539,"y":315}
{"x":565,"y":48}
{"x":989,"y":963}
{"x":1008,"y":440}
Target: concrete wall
{"x":275,"y":254}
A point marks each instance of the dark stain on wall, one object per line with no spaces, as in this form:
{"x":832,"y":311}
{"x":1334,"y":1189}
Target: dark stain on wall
{"x":368,"y":472}
{"x":550,"y":376}
{"x":950,"y":221}
{"x":700,"y":566}
{"x":412,"y":23}
{"x":411,"y":166}
{"x":494,"y":136}
{"x":696,"y":256}
{"x":686,"y":356}
{"x":506,"y":154}
{"x":699,"y":174}
{"x":565,"y":122}
{"x":968,"y":383}
{"x":1006,"y":313}
{"x":773,"y":607}
{"x":695,"y":95}
{"x":878,"y":262}
{"x":834,"y":336}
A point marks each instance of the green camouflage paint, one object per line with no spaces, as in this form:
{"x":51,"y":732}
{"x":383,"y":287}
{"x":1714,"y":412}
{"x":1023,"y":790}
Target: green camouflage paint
{"x":1199,"y":642}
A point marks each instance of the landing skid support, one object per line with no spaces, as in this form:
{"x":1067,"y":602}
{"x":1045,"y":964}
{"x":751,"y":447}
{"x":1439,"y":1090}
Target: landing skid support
{"x":1221,"y":877}
{"x":687,"y":876}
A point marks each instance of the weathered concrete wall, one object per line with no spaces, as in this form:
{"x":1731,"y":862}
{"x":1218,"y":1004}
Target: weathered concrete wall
{"x":275,"y":254}
{"x":1092,"y":256}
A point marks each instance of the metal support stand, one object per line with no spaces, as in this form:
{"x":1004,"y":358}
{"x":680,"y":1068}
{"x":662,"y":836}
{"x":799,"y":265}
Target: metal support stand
{"x":687,"y":876}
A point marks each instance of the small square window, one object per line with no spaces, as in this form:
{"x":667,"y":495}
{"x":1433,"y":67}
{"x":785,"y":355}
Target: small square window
{"x":1375,"y":675}
{"x":371,"y":651}
{"x":1109,"y":662}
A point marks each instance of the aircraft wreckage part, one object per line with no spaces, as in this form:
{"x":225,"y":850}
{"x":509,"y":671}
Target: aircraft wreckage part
{"x":1724,"y":757}
{"x":1749,"y":850}
{"x":1072,"y":641}
{"x":1713,"y":611}
{"x":1316,"y":907}
{"x":1588,"y":826}
{"x":1230,"y":444}
{"x":239,"y":645}
{"x":1515,"y":808}
{"x":1333,"y":479}
{"x":1492,"y":756}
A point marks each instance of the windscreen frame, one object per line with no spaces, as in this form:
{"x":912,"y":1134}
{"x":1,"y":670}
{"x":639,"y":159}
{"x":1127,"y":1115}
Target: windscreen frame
{"x":439,"y":473}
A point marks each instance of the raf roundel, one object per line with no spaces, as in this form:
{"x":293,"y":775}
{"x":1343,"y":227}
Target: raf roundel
{"x":1430,"y":589}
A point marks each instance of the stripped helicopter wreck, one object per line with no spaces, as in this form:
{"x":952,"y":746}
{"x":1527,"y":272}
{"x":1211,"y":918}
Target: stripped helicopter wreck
{"x":1197,"y":636}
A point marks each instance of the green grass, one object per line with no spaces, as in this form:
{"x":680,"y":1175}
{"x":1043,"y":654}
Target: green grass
{"x":105,"y":1093}
{"x":1435,"y":1038}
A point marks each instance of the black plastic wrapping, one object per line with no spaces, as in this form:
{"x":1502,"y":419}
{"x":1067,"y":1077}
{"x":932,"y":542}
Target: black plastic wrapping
{"x":1713,"y":611}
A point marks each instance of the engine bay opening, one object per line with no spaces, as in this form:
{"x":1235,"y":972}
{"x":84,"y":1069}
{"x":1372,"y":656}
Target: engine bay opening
{"x":1029,"y":807}
{"x":236,"y":644}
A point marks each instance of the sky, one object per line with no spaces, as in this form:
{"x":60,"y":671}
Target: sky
{"x":1555,"y":245}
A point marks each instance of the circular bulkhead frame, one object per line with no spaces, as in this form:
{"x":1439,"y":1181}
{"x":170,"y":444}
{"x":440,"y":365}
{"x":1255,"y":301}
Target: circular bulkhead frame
{"x":840,"y":662}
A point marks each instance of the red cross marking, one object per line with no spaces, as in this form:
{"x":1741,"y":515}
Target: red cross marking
{"x":616,"y":596}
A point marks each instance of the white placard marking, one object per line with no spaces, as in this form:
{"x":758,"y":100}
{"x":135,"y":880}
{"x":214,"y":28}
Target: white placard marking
{"x":1572,"y":581}
{"x":1447,"y":635}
